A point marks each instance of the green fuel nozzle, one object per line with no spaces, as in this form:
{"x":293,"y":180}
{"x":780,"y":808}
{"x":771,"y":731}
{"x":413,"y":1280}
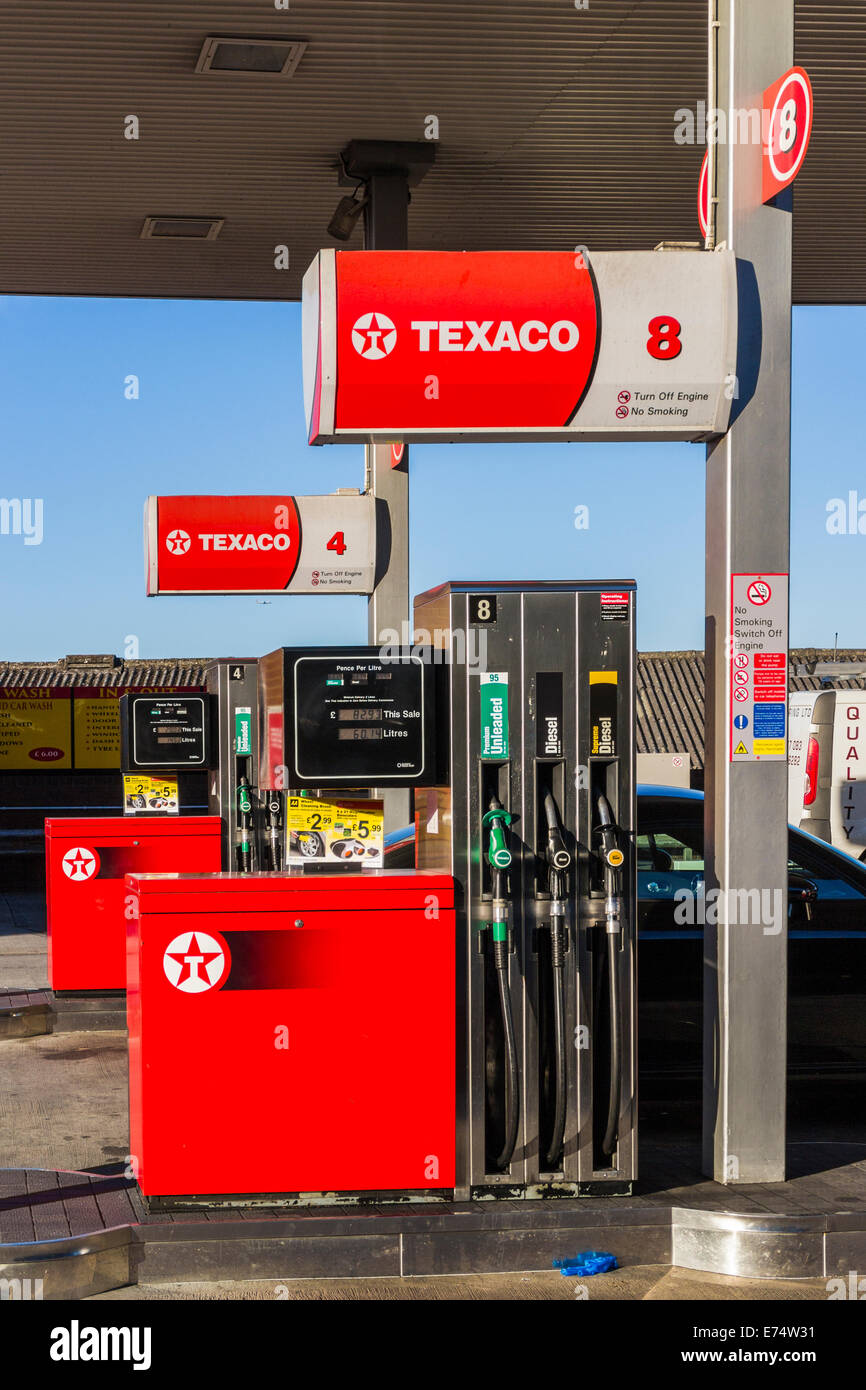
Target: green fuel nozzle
{"x":245,"y":807}
{"x":497,"y":820}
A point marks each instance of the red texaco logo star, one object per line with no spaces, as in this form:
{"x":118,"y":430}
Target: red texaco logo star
{"x":177,"y":542}
{"x":374,"y":335}
{"x":79,"y":864}
{"x":195,"y":961}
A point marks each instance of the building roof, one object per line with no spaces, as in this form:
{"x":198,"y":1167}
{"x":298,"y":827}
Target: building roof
{"x":670,"y":696}
{"x":555,"y":128}
{"x":165,"y":671}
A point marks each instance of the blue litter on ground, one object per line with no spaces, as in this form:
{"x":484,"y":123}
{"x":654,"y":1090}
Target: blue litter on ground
{"x":587,"y":1262}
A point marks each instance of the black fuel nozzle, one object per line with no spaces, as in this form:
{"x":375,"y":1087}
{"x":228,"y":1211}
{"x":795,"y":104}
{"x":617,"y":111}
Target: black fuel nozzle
{"x":275,"y":822}
{"x":557,"y":855}
{"x":613,"y":859}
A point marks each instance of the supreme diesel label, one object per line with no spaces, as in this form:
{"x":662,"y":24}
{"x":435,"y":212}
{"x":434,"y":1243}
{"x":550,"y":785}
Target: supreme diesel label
{"x":418,"y":345}
{"x":602,"y":713}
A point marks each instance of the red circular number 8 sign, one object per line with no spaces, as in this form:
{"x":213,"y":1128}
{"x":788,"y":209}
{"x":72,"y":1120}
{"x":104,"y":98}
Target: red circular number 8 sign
{"x":787,"y":127}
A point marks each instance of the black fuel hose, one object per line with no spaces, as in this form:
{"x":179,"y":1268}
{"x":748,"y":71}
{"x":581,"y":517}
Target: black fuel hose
{"x":499,"y":858}
{"x":611,"y":1132}
{"x":558,"y":859}
{"x":613,"y":910}
{"x":554,"y":1152}
{"x":512,"y":1074}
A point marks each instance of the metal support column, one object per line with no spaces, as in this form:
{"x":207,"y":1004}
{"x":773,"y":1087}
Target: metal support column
{"x":747,"y":530}
{"x":387,"y":169}
{"x":386,"y":228}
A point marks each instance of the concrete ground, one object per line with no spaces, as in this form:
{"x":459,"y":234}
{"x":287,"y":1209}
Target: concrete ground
{"x":63,"y":1104}
{"x":63,"y":1101}
{"x":22,"y":941}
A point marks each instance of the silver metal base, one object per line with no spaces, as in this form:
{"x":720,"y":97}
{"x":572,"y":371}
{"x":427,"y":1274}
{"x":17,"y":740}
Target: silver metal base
{"x":753,"y":1247}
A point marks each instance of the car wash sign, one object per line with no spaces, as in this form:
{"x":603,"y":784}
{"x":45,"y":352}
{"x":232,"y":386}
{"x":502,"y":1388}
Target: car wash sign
{"x":502,"y":345}
{"x":260,"y":545}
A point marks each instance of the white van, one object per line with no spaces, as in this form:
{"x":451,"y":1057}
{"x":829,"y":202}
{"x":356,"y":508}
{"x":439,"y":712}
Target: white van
{"x":827,"y":767}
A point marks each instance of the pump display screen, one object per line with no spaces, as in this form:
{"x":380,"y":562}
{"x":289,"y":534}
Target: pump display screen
{"x":167,"y":731}
{"x":359,"y":718}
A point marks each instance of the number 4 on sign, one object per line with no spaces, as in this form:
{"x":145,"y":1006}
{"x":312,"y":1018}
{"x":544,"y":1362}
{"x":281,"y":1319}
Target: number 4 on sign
{"x":337,"y":542}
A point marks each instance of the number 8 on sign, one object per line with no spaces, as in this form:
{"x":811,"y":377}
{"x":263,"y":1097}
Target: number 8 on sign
{"x":664,"y":341}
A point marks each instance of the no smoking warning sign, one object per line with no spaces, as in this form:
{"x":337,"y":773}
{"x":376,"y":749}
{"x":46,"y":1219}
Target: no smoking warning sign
{"x":758,"y":653}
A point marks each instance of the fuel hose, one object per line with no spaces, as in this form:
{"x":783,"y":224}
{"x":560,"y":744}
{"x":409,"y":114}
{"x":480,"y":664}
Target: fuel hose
{"x":499,"y":858}
{"x":245,"y":819}
{"x":558,"y":861}
{"x":613,"y":907}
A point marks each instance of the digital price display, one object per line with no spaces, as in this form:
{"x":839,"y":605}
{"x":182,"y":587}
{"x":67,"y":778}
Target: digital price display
{"x":169,"y":731}
{"x":358,"y":718}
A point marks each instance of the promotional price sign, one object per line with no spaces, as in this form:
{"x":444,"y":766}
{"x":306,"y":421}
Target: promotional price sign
{"x":335,"y":832}
{"x":260,"y":545}
{"x":758,"y":645}
{"x":144,"y":795}
{"x":788,"y":125}
{"x":502,"y":345}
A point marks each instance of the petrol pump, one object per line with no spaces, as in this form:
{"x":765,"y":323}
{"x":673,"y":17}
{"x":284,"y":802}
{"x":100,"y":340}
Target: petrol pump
{"x":534,"y":817}
{"x":463,"y":1029}
{"x":232,"y":779}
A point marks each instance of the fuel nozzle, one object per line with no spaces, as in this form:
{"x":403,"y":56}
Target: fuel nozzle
{"x":275,"y":822}
{"x":613,"y":859}
{"x":557,"y":855}
{"x":496,"y":822}
{"x":245,"y":819}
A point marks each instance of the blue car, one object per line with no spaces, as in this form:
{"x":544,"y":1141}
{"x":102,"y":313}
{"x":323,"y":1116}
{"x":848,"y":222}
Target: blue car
{"x":826,"y":914}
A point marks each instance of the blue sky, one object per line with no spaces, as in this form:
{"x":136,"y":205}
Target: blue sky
{"x":220,"y":410}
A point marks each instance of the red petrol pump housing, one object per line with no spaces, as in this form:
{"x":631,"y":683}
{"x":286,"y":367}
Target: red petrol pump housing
{"x":86,"y":860}
{"x":291,"y":1033}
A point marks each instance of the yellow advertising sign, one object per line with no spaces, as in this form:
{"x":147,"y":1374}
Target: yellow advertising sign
{"x":35,"y":728}
{"x":334,"y":832}
{"x":149,"y":794}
